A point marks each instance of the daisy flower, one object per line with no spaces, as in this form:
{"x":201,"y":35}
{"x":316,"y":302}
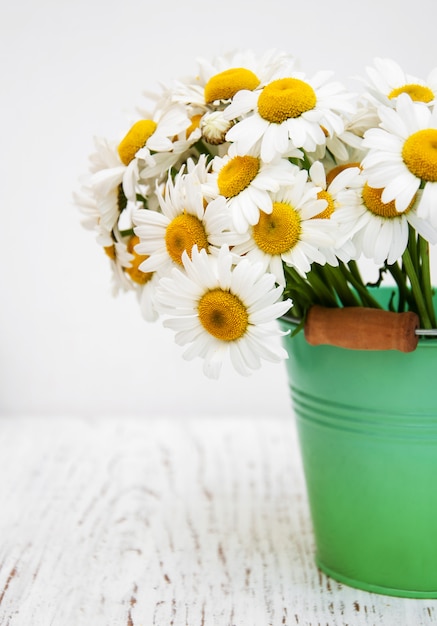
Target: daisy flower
{"x":220,"y":309}
{"x":402,"y":156}
{"x":116,"y":249}
{"x":229,"y":74}
{"x":145,"y":283}
{"x":379,"y":230}
{"x":147,"y":136}
{"x":105,"y":182}
{"x":103,"y":198}
{"x":175,"y":149}
{"x":127,"y":275}
{"x":182,"y":222}
{"x":245,"y":181}
{"x":219,"y":80}
{"x":288,"y":109}
{"x":111,"y":241}
{"x":182,"y":150}
{"x":387,"y":80}
{"x":291,"y":233}
{"x":338,"y":188}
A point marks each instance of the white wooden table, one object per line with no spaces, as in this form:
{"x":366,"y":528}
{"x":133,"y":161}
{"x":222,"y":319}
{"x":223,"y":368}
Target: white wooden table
{"x":166,"y":522}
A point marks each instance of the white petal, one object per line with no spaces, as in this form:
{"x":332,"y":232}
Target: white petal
{"x":242,"y":102}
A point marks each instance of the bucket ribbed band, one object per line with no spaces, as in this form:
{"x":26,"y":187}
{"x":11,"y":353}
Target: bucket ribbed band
{"x":370,"y":423}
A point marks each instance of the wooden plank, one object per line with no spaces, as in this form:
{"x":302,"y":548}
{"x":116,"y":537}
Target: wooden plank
{"x":166,"y":522}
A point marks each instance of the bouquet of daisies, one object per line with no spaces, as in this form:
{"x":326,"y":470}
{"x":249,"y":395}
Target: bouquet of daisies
{"x":251,"y":191}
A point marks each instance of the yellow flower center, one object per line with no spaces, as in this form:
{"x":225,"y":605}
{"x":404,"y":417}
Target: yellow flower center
{"x":110,"y":252}
{"x":418,"y":93}
{"x":372,"y":200}
{"x":139,"y":277}
{"x":237,"y":174}
{"x":223,"y":315}
{"x":285,"y":98}
{"x":278,"y":231}
{"x":419,"y":153}
{"x":326,"y":213}
{"x":183,"y":232}
{"x":135,"y":139}
{"x":225,"y":85}
{"x":195,"y":123}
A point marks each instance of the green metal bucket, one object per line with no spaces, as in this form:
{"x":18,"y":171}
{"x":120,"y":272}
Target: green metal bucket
{"x":367,"y":425}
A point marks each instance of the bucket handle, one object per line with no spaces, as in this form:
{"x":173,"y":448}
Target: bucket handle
{"x":362,"y":328}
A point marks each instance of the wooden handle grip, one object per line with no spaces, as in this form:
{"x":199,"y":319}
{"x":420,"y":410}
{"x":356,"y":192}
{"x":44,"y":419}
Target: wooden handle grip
{"x":362,"y":328}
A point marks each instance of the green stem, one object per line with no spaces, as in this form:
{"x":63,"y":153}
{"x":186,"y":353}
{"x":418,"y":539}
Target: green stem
{"x":341,"y":286}
{"x":356,"y":281}
{"x":299,"y":290}
{"x":401,"y":283}
{"x":305,"y":163}
{"x":354,"y":270}
{"x":203,"y":149}
{"x":412,"y":247}
{"x":416,"y":289}
{"x":325,"y":293}
{"x":127,"y":233}
{"x":425,"y":275}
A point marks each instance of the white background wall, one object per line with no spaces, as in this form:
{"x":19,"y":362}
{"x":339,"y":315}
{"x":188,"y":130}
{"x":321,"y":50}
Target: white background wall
{"x":72,"y":70}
